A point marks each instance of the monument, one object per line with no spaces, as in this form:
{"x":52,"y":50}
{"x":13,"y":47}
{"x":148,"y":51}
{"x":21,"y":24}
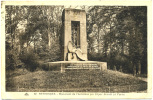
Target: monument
{"x":74,"y":42}
{"x":74,"y":37}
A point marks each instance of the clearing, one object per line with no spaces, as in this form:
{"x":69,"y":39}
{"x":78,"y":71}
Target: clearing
{"x":74,"y":81}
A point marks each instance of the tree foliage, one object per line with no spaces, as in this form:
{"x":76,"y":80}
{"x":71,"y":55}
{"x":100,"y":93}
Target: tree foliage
{"x":31,"y":33}
{"x":122,"y":36}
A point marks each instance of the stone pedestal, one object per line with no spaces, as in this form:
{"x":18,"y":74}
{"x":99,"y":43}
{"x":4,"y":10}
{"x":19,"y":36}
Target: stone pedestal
{"x":82,"y":65}
{"x":62,"y":67}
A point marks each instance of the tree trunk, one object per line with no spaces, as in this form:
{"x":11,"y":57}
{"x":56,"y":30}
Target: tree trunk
{"x":27,"y":47}
{"x":19,"y":48}
{"x":134,"y":70}
{"x":122,"y":46}
{"x":120,"y":69}
{"x":139,"y":68}
{"x":34,"y":46}
{"x":49,"y":40}
{"x":11,"y":31}
{"x":98,"y":40}
{"x":110,"y":42}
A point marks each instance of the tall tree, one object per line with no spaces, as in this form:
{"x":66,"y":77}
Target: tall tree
{"x":134,"y":23}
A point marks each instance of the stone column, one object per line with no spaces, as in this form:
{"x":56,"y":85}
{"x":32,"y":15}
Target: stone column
{"x":74,"y":15}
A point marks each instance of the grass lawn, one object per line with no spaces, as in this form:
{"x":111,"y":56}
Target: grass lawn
{"x":74,"y":81}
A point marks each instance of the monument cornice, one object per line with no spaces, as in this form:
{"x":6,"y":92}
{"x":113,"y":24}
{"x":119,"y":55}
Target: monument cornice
{"x":73,"y":9}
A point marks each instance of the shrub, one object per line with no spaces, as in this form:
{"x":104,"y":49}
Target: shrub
{"x":52,"y":53}
{"x":51,"y":67}
{"x":30,"y":60}
{"x":44,"y":66}
{"x":12,"y":60}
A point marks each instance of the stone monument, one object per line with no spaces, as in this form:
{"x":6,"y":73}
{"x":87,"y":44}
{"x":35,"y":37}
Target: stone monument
{"x":74,"y":35}
{"x":74,"y":42}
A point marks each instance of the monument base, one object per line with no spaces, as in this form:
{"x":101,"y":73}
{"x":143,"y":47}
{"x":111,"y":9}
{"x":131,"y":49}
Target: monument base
{"x":68,"y":65}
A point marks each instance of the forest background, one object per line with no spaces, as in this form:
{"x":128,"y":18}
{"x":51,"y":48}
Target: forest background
{"x":116,"y":35}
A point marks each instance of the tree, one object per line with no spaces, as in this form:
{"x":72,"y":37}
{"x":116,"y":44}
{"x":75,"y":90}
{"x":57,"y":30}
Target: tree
{"x":28,"y":29}
{"x":14,"y":15}
{"x":134,"y":24}
{"x":121,"y":34}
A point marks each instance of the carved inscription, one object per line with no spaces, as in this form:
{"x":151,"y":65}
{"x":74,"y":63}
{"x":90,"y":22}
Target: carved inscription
{"x":83,"y":66}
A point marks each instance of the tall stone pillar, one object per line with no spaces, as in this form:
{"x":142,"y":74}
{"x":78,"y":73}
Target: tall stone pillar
{"x":70,"y":16}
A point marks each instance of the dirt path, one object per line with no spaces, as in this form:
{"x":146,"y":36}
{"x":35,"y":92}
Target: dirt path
{"x":143,"y":79}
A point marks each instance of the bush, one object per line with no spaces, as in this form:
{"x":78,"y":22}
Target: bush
{"x":12,"y":60}
{"x":53,"y":54}
{"x":44,"y":66}
{"x":30,"y":60}
{"x":51,"y":67}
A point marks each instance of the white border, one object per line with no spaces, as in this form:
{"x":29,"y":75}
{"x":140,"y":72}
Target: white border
{"x":20,"y":95}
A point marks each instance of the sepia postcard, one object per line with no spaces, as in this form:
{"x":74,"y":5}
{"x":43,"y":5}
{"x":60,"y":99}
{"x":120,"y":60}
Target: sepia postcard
{"x":76,"y":49}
